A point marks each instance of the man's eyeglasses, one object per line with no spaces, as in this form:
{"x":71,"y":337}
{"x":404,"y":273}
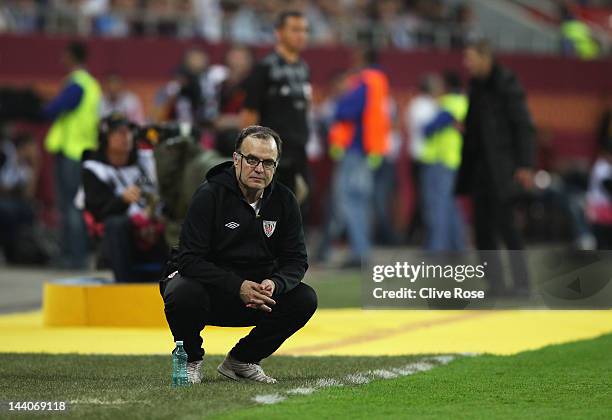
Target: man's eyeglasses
{"x":253,"y":161}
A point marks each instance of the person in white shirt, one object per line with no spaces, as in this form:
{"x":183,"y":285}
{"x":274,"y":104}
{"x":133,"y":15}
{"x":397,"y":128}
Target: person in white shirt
{"x":19,"y":169}
{"x":118,"y":100}
{"x":421,"y":111}
{"x":599,"y":198}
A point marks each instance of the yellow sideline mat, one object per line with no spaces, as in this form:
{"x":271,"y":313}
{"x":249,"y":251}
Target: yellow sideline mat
{"x":332,"y":332}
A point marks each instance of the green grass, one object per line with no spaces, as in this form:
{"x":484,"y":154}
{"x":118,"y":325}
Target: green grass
{"x":336,"y":288}
{"x":140,"y":385}
{"x":565,"y":381}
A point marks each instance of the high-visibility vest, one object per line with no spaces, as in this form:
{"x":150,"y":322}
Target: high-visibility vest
{"x":444,"y":146}
{"x":581,"y":38}
{"x":376,"y":122}
{"x":77,"y":130}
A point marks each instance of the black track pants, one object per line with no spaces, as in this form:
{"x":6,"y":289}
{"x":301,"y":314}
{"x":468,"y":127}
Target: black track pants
{"x":190,"y":306}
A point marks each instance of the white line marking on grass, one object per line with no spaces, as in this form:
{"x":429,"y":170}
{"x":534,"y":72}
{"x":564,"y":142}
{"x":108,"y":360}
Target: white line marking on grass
{"x":301,"y":391}
{"x":269,"y":399}
{"x":327,"y":382}
{"x":384,"y":374}
{"x":413,"y":368}
{"x":443,"y":359}
{"x":359,"y":378}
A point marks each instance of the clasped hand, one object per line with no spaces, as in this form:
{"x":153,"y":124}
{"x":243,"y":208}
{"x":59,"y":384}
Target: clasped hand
{"x":258,"y":296}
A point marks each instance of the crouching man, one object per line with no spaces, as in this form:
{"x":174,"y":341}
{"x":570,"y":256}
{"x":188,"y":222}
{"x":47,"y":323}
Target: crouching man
{"x":240,"y":261}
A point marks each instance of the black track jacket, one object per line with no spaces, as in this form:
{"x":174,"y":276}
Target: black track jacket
{"x":223,"y":242}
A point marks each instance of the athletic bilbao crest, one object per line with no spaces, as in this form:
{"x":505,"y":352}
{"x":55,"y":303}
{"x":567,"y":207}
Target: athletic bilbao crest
{"x":269,"y":227}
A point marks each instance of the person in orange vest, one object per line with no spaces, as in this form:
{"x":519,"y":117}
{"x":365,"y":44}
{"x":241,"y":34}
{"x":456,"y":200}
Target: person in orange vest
{"x":359,"y":139}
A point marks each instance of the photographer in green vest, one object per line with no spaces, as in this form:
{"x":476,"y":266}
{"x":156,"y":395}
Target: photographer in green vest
{"x":74,"y":112}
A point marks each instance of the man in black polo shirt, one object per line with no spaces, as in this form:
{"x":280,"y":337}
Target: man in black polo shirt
{"x":278,"y":96}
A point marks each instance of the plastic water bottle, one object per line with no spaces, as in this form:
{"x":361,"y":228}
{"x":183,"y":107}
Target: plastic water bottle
{"x":179,"y":366}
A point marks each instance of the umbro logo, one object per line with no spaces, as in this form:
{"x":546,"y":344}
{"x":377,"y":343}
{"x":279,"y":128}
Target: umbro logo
{"x":232,"y":225}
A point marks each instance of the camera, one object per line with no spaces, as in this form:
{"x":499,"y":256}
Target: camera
{"x":154,"y":134}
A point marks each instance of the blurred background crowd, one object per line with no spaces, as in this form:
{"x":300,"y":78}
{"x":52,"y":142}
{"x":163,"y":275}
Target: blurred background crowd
{"x":402,"y":24}
{"x":181,"y":69}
